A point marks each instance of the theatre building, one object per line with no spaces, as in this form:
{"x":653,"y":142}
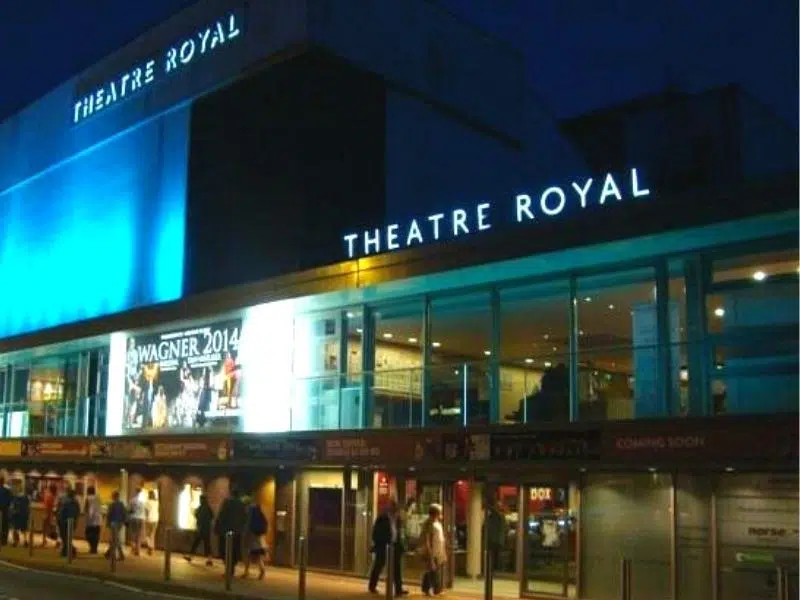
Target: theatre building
{"x":333,"y":253}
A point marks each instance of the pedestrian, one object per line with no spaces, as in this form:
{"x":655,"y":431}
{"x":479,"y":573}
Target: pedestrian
{"x":68,"y":510}
{"x":495,"y":533}
{"x":20,"y":515}
{"x":257,"y":526}
{"x":204,"y":517}
{"x":433,"y":551}
{"x":151,"y":522}
{"x":48,"y":525}
{"x":231,"y":518}
{"x":384,"y":532}
{"x":137,"y":511}
{"x":117,"y":515}
{"x":5,"y":511}
{"x":94,"y":519}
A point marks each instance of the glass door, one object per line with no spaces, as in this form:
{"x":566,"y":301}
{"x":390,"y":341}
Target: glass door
{"x":549,"y":540}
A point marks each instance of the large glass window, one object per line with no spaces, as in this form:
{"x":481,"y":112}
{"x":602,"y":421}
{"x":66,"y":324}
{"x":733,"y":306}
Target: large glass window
{"x":534,"y":353}
{"x":461,"y":349}
{"x":398,"y":365}
{"x":617,"y":344}
{"x":752,"y":316}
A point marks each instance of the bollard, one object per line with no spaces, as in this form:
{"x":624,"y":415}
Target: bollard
{"x":625,"y":579}
{"x":301,"y":570}
{"x":389,"y":571}
{"x":783,"y":583}
{"x":167,"y":553}
{"x":68,"y":541}
{"x":488,"y":574}
{"x":228,"y":560}
{"x":30,"y":534}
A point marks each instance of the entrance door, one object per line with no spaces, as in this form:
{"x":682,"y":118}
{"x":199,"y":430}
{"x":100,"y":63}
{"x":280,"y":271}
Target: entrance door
{"x":549,"y":534}
{"x":324,"y":527}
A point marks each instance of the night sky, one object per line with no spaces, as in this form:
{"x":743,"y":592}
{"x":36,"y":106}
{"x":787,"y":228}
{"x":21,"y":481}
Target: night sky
{"x":580,"y":54}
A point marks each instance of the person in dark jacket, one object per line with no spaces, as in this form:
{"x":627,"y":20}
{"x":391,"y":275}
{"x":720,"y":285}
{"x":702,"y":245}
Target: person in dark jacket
{"x":68,"y":509}
{"x":116,"y":517}
{"x":232,"y":517}
{"x":5,"y":511}
{"x":384,"y":532}
{"x":20,"y":515}
{"x":204,"y":517}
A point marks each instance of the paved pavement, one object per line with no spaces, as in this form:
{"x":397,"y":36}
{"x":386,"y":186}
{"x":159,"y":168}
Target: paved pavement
{"x":192,"y":580}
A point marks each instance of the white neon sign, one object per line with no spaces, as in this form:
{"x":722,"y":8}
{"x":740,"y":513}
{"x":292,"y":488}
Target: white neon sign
{"x":143,"y":74}
{"x":459,"y":222}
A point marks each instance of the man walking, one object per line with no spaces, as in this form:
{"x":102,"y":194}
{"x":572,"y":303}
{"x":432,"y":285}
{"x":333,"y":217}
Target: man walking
{"x":116,"y":517}
{"x":5,"y":511}
{"x":385,"y":532}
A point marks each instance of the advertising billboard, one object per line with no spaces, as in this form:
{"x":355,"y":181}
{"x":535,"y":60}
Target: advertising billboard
{"x":186,"y":379}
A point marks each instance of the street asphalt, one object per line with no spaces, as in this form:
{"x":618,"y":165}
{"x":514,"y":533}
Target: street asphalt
{"x":18,"y":583}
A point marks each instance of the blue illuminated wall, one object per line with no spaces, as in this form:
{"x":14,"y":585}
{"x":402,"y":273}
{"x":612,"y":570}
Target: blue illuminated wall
{"x":101,"y":233}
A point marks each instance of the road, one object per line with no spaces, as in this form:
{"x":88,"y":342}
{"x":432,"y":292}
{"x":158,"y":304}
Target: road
{"x":28,"y":584}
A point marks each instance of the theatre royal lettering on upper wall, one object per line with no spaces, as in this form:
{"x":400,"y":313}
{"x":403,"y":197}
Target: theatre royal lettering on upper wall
{"x":523,"y":208}
{"x":143,"y":73}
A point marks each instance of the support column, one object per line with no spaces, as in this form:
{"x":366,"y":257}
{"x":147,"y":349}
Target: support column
{"x":475,"y":514}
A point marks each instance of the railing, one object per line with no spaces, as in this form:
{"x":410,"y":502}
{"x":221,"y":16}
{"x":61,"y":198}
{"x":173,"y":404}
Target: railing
{"x":715,"y":376}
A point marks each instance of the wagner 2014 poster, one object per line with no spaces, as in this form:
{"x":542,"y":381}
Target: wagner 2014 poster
{"x":185,"y":379}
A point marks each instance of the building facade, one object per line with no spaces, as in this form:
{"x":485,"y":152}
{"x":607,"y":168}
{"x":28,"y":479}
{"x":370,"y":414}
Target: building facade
{"x":300,"y":249}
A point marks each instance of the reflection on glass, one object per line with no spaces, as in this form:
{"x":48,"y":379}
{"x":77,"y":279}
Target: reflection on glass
{"x":460,"y":360}
{"x":397,"y":381}
{"x":751,"y":312}
{"x":618,"y":353}
{"x":188,"y":501}
{"x":534,"y":353}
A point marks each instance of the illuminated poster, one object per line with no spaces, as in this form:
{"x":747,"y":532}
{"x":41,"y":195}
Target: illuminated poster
{"x":187,"y":379}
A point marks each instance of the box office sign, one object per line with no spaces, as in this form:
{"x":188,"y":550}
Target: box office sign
{"x":54,"y":449}
{"x":546,"y":445}
{"x":261,"y":449}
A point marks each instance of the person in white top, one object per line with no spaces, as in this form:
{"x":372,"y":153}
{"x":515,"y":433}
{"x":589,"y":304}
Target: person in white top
{"x":434,"y":551}
{"x":137,"y":511}
{"x":151,"y":522}
{"x":94,"y":519}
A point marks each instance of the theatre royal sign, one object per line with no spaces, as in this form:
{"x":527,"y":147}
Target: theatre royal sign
{"x":142,"y":74}
{"x":523,"y":208}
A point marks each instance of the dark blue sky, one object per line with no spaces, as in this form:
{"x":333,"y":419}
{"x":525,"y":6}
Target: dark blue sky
{"x":581,"y":54}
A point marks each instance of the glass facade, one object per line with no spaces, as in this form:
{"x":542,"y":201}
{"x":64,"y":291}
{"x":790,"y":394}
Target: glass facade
{"x":687,"y":335}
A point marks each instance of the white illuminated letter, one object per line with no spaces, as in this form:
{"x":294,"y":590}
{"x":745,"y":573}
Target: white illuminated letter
{"x":233,"y":29}
{"x":460,"y":221}
{"x":350,"y":239}
{"x":88,"y":105}
{"x":187,"y":51}
{"x":76,"y":114}
{"x":391,"y":237}
{"x":637,"y":193}
{"x":172,"y":55}
{"x":414,"y":233}
{"x":435,"y":220}
{"x":149,"y":72}
{"x":203,"y":35}
{"x":375,"y":241}
{"x":99,"y":99}
{"x":112,"y":92}
{"x":524,"y":206}
{"x":122,"y":84}
{"x":482,"y":216}
{"x":136,"y":78}
{"x":609,"y":189}
{"x":562,"y":200}
{"x":218,"y":37}
{"x":582,"y":191}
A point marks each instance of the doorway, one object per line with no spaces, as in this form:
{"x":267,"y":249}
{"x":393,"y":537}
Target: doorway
{"x":324,"y":527}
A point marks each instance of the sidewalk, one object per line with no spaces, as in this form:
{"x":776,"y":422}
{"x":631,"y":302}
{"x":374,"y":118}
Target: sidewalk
{"x":196,"y":580}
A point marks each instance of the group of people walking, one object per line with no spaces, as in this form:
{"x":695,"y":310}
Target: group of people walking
{"x":138,"y":520}
{"x":390,"y":530}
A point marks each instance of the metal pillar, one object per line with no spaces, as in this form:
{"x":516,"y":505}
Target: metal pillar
{"x":625,"y":579}
{"x":228,"y":560}
{"x":302,"y":550}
